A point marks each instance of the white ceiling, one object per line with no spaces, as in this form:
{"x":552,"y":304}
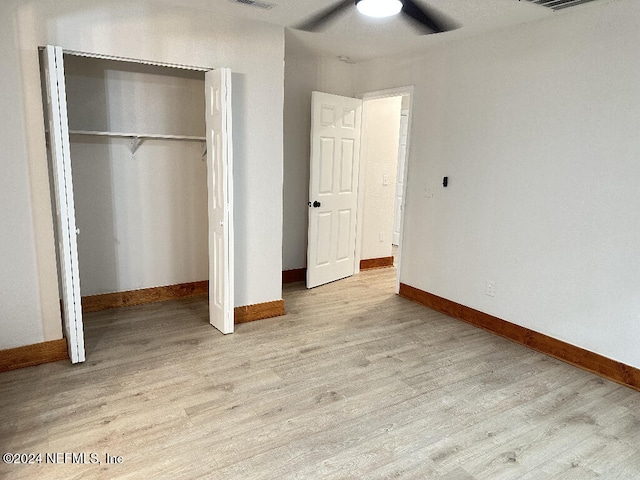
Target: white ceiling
{"x":362,"y":38}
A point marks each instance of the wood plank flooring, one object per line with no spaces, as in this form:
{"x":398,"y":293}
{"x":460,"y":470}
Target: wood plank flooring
{"x":353,"y":383}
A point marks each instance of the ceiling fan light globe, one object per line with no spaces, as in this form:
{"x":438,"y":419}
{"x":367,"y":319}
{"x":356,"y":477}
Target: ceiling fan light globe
{"x":379,"y":8}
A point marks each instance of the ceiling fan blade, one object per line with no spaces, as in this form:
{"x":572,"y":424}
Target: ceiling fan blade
{"x":428,"y":18}
{"x":320,"y":19}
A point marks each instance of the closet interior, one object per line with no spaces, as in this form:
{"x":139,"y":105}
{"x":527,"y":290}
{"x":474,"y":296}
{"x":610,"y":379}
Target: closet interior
{"x":137,"y":146}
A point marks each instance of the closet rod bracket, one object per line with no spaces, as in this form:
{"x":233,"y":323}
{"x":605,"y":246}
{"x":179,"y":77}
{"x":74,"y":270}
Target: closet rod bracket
{"x":135,"y":144}
{"x":203,"y":146}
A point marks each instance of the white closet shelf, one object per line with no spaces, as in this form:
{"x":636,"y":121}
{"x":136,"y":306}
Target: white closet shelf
{"x":140,"y":136}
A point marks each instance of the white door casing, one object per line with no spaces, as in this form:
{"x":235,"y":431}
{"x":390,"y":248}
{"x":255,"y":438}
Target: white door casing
{"x":402,"y":156}
{"x":58,"y":134}
{"x":333,"y":187}
{"x":220,"y":198}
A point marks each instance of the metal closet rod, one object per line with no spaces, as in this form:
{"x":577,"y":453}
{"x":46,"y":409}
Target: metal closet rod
{"x":137,"y":138}
{"x":157,"y":136}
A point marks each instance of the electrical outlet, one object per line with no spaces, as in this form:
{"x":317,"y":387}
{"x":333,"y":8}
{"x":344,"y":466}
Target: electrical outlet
{"x":490,"y":288}
{"x":385,"y":180}
{"x":382,"y":236}
{"x":428,"y":192}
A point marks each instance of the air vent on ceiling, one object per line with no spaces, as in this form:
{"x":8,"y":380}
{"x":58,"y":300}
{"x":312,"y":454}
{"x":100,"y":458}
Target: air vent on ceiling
{"x":559,"y":4}
{"x":253,"y":3}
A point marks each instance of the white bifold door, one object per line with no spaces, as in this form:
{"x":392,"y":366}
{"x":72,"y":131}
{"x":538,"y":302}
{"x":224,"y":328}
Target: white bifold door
{"x":333,"y":187}
{"x":220,"y":195}
{"x":219,"y":192}
{"x":65,"y":218}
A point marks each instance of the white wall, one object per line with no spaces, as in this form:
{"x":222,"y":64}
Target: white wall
{"x":254,"y":51}
{"x":303,"y":74}
{"x":24,"y":308}
{"x":537,"y":128}
{"x":379,"y":158}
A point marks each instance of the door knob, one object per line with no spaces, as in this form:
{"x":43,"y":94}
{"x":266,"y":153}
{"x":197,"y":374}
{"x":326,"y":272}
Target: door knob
{"x":315,"y":204}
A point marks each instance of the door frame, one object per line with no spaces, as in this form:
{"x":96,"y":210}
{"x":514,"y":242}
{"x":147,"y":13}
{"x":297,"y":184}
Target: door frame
{"x":375,"y":95}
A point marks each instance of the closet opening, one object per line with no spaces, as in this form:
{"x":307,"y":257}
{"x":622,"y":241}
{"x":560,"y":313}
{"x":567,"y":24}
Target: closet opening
{"x":140,"y":157}
{"x":141,"y":201}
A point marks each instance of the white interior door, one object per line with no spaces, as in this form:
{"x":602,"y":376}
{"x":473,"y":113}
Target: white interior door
{"x":58,"y":133}
{"x":220,"y":198}
{"x":333,"y":187}
{"x":402,"y":156}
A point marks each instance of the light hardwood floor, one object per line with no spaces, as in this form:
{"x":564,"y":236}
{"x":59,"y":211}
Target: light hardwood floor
{"x":353,"y":383}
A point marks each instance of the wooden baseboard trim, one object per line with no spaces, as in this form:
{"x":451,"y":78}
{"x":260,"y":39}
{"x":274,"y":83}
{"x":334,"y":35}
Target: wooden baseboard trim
{"x":95,"y":303}
{"x":31,"y":355}
{"x":260,"y":311}
{"x":372,"y":263}
{"x":579,"y":357}
{"x":247,"y":313}
{"x":296,"y":275}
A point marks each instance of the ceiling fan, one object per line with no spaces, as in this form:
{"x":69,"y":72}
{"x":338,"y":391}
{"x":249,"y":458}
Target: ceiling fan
{"x":427,"y":19}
